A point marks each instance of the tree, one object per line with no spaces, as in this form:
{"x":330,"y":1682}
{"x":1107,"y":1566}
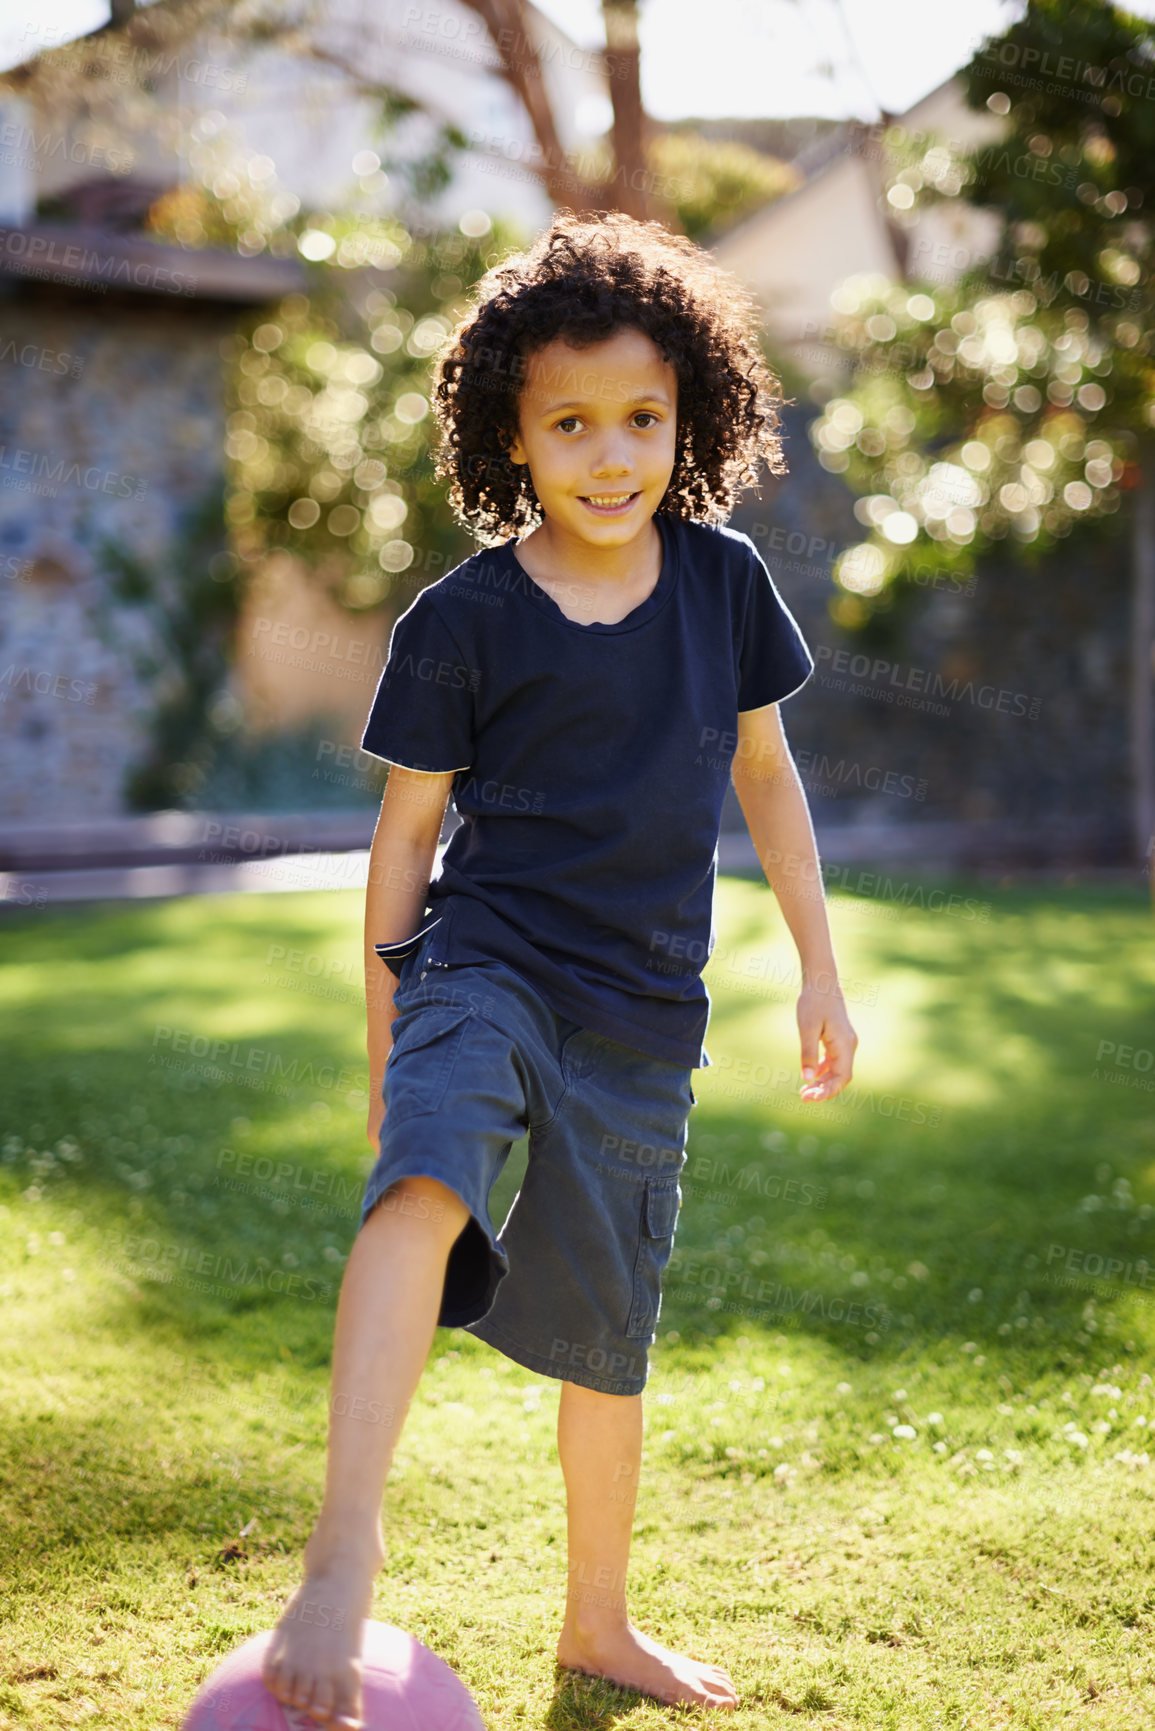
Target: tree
{"x":161,"y":26}
{"x":1019,"y":404}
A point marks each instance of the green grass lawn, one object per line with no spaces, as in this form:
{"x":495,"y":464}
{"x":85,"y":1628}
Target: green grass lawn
{"x":898,"y":1469}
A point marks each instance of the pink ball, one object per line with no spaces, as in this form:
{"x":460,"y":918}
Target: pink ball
{"x":405,"y":1688}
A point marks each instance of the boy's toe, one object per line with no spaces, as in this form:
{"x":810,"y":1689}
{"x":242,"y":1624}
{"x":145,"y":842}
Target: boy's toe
{"x":299,"y":1692}
{"x":320,"y":1706}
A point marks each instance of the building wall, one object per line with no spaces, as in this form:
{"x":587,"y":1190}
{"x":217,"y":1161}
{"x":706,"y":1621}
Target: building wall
{"x":794,"y":254}
{"x":111,"y":429}
{"x":303,"y":658}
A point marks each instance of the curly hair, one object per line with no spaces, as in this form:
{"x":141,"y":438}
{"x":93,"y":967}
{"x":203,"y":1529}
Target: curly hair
{"x":583,"y":280}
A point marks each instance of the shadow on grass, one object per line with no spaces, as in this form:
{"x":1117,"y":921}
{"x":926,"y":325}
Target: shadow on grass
{"x":205,"y":1058}
{"x":589,"y":1702}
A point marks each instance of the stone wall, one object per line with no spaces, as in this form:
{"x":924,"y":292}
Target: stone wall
{"x":111,"y":429}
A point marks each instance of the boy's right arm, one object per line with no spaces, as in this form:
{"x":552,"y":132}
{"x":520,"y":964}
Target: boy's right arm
{"x":400,"y":867}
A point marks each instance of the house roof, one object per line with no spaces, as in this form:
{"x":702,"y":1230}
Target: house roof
{"x":94,"y":259}
{"x":822,"y":156}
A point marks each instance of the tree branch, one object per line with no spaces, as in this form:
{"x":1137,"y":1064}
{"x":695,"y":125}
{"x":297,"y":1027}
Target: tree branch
{"x":632,"y":180}
{"x":508,"y":26}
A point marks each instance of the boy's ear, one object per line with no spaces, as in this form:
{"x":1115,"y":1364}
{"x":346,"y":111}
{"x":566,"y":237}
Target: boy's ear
{"x":517,"y":451}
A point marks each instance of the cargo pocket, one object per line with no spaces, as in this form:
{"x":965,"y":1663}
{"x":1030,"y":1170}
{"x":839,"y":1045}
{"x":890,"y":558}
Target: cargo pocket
{"x":426,"y":1043}
{"x":661,"y":1200}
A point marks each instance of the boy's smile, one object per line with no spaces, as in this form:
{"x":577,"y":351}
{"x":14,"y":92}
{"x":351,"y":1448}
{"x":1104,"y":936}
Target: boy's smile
{"x":597,"y":428}
{"x":610,"y":505}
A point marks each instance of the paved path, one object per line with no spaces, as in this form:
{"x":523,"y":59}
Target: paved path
{"x":176,"y":854}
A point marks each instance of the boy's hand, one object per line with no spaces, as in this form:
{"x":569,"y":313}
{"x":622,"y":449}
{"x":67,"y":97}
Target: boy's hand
{"x":828,"y":1042}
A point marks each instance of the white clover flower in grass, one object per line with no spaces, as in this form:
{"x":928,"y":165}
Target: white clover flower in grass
{"x":906,"y":1431}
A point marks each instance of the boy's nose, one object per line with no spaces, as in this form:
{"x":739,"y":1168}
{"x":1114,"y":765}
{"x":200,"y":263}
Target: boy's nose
{"x":610,"y":465}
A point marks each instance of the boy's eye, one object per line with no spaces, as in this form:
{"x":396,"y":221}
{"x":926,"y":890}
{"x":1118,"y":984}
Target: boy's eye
{"x":566,"y":423}
{"x":645,"y":415}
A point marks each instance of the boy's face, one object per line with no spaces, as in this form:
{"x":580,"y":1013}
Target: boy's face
{"x":598,"y":429}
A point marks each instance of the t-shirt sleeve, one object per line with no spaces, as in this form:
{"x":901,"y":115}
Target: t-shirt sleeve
{"x":422,"y":714}
{"x":773,"y":660}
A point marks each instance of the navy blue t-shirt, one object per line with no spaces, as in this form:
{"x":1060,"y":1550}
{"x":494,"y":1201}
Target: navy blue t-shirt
{"x":590,"y":765}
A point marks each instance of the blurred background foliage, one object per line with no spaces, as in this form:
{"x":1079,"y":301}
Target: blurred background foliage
{"x":328,"y":449}
{"x":1019,"y":403}
{"x":328,"y":452}
{"x":711,"y":184}
{"x":971,"y":420}
{"x":329,"y":431}
{"x":1004,"y":411}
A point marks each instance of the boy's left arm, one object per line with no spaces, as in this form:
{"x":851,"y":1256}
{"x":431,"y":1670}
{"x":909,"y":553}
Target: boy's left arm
{"x":774,"y":805}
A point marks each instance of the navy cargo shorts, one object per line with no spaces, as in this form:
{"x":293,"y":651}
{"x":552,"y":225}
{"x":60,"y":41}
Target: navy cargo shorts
{"x":571,"y":1285}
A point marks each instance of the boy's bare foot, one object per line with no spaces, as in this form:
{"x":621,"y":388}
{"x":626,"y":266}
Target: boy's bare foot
{"x":623,"y":1655}
{"x":313,"y":1660}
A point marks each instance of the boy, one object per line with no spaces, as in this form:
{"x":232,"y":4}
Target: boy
{"x":576,"y":690}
